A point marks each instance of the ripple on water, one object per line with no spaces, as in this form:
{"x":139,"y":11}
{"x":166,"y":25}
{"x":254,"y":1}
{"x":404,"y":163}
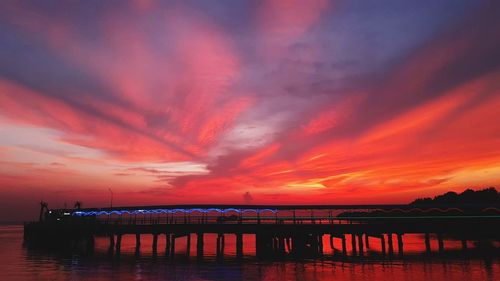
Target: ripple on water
{"x":17,"y":263}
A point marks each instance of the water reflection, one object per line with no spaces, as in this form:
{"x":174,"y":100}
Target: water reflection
{"x":18,"y":263}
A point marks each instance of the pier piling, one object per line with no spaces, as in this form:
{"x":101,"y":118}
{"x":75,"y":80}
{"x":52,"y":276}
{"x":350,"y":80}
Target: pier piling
{"x":188,"y":244}
{"x":239,"y":245}
{"x":360,"y":242}
{"x":118,"y":243}
{"x":172,"y":246}
{"x":199,"y":245}
{"x":344,"y":246}
{"x":353,"y":244}
{"x":155,"y":243}
{"x":427,"y":243}
{"x":220,"y":246}
{"x":137,"y":241}
{"x":382,"y":243}
{"x":389,"y":242}
{"x":464,"y":244}
{"x":111,"y":242}
{"x":400,"y":244}
{"x":167,"y":244}
{"x":440,"y":243}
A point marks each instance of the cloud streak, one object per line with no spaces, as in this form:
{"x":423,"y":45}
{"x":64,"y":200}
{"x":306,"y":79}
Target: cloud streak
{"x":289,"y":102}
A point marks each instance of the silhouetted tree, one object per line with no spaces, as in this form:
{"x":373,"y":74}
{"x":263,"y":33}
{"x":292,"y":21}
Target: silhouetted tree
{"x":78,"y":205}
{"x":469,"y":196}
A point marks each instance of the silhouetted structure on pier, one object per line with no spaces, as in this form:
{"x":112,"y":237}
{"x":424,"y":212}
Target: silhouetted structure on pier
{"x":291,"y":230}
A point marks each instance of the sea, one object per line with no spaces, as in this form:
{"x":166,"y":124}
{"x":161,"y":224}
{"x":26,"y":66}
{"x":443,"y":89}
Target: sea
{"x":17,"y":262}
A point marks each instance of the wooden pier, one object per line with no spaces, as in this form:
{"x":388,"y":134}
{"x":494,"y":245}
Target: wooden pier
{"x":280,"y":231}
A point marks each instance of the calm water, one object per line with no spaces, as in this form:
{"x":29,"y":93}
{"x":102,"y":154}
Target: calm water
{"x":17,"y":263}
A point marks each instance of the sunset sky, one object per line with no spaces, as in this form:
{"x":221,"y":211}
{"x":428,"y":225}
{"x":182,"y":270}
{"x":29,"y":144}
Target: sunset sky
{"x":246,"y":101}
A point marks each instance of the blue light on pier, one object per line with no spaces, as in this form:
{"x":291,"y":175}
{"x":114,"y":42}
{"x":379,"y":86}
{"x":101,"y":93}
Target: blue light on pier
{"x":167,"y":211}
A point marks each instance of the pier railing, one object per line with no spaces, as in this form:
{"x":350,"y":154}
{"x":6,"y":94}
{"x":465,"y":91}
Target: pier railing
{"x":278,"y":220}
{"x":226,"y":220}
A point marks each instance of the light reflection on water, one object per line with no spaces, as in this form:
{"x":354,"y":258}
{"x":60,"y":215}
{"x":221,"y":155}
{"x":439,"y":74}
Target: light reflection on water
{"x":18,"y":263}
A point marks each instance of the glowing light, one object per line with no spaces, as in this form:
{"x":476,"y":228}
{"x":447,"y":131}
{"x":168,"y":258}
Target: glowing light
{"x":169,"y":211}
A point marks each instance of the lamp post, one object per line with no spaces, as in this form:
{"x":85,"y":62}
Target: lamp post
{"x":111,"y":202}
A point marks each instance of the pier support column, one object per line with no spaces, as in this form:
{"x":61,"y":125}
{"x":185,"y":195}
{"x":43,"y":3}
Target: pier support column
{"x":353,"y":244}
{"x":275,"y":245}
{"x":90,"y":243}
{"x":155,"y":243}
{"x":167,"y":244}
{"x":360,"y":242}
{"x":220,"y":246}
{"x":464,"y":244}
{"x":331,"y":244}
{"x":264,"y":245}
{"x":313,"y":241}
{"x":223,"y":245}
{"x":288,"y":244}
{"x":305,"y":245}
{"x":111,"y":243}
{"x":199,"y":245}
{"x":382,"y":244}
{"x":344,"y":246}
{"x":427,"y":243}
{"x":239,"y":245}
{"x":172,"y":245}
{"x":389,"y":242}
{"x":118,"y":243}
{"x":400,"y":244}
{"x":367,"y":241}
{"x":137,"y":242}
{"x":440,"y":243}
{"x":320,"y":244}
{"x":188,"y":244}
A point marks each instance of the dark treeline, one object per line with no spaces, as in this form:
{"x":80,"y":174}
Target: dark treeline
{"x":470,"y":202}
{"x":469,"y":196}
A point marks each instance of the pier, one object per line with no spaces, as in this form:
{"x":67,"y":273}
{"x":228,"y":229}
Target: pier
{"x":295,"y":231}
